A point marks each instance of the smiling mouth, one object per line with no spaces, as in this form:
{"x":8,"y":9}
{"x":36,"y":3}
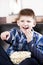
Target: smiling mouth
{"x":25,"y":27}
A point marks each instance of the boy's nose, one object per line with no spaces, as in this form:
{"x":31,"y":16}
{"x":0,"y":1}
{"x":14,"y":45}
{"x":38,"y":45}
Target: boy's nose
{"x":25,"y":23}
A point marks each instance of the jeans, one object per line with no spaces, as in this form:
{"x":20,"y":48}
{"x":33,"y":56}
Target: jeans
{"x":29,"y":61}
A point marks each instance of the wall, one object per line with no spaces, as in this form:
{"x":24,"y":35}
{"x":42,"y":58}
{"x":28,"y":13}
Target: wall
{"x":4,"y":8}
{"x":36,"y":5}
{"x":9,"y":6}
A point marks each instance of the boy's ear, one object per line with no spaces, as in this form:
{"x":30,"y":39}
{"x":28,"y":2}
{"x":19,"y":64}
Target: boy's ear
{"x":18,"y":22}
{"x":34,"y":24}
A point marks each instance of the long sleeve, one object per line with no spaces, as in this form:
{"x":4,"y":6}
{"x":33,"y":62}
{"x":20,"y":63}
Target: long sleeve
{"x":37,"y":50}
{"x":12,"y":36}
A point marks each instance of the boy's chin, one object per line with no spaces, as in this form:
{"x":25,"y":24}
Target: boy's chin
{"x":25,"y":30}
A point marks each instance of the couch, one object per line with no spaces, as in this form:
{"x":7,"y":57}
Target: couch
{"x":5,"y":27}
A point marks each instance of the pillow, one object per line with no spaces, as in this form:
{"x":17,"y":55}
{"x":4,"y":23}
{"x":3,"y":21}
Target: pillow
{"x":19,"y":56}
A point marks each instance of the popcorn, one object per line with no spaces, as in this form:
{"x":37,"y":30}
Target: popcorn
{"x":19,"y":56}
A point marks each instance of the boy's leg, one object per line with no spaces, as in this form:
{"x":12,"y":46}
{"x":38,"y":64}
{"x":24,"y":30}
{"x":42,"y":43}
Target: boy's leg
{"x":29,"y":61}
{"x":4,"y":58}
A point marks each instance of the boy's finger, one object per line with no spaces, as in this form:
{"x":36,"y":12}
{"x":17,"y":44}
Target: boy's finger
{"x":7,"y":37}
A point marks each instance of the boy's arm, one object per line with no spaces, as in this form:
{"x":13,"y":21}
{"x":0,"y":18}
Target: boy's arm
{"x":12,"y":36}
{"x":38,"y":51}
{"x":9,"y":40}
{"x":8,"y":36}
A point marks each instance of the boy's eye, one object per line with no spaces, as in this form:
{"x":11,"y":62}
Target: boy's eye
{"x":22,"y":20}
{"x":28,"y":21}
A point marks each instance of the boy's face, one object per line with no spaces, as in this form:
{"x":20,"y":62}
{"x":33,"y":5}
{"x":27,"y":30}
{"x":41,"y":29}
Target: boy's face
{"x":26,"y":23}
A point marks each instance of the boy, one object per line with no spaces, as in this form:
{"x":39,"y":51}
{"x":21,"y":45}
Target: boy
{"x":25,"y":39}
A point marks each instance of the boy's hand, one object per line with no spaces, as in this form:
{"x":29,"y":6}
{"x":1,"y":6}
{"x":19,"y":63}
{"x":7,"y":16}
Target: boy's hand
{"x":29,"y":35}
{"x":5,"y":35}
